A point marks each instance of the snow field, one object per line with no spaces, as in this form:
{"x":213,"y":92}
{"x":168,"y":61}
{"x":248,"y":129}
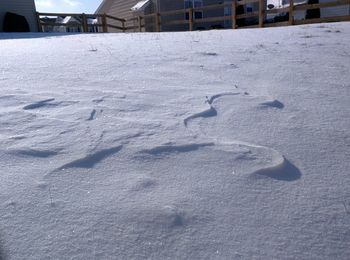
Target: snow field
{"x":202,"y":145}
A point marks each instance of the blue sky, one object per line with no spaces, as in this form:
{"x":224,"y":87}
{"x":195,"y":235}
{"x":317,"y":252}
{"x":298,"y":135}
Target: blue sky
{"x":66,"y":6}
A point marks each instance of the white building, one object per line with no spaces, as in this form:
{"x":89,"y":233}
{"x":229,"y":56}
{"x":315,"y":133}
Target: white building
{"x":25,"y":8}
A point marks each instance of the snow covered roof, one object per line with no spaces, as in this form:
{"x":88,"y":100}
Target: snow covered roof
{"x":67,"y":19}
{"x":140,"y":6}
{"x":92,"y":21}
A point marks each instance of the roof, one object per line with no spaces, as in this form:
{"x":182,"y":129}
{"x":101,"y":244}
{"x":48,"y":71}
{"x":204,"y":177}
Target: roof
{"x":103,"y":6}
{"x":140,"y":6}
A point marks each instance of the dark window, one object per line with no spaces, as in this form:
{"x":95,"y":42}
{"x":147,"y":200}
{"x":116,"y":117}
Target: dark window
{"x":193,"y":4}
{"x":198,"y":15}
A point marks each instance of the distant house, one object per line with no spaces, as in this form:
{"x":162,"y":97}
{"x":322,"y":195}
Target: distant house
{"x":132,"y":8}
{"x":70,"y":24}
{"x":118,"y":8}
{"x":25,"y":8}
{"x":47,"y":27}
{"x":341,"y":10}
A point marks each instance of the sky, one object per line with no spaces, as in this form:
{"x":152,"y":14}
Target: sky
{"x":59,"y":6}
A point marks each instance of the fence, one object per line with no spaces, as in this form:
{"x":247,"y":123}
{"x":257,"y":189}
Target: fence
{"x":80,"y":22}
{"x":157,"y":21}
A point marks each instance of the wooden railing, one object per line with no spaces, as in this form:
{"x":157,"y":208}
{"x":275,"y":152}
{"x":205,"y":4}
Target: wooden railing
{"x":156,"y":21}
{"x":105,"y":21}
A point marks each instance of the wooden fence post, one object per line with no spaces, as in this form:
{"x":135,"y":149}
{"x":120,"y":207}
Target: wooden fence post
{"x":123,"y":25}
{"x":157,"y":22}
{"x":261,"y":12}
{"x":190,"y":19}
{"x":40,"y":28}
{"x":84,"y":23}
{"x":234,"y":14}
{"x":104,"y":23}
{"x":291,"y":8}
{"x":139,"y":21}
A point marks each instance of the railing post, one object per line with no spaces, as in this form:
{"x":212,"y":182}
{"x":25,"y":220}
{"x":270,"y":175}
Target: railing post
{"x":40,"y":28}
{"x":84,"y":23}
{"x":104,"y":23}
{"x":157,"y":22}
{"x":190,"y":19}
{"x":291,"y":8}
{"x":139,"y":21}
{"x":123,"y":25}
{"x":261,"y":12}
{"x":234,"y":14}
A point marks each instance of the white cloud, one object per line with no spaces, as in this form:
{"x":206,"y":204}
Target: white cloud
{"x":72,"y":2}
{"x":65,"y":6}
{"x":44,"y":4}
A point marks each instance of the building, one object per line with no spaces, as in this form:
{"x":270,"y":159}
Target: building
{"x":69,"y":24}
{"x":24,"y":8}
{"x":340,"y":10}
{"x":128,"y":9}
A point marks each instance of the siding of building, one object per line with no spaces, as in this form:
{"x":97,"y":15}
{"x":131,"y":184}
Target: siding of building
{"x":334,"y":11}
{"x":116,"y":8}
{"x":21,"y":7}
{"x":168,"y":5}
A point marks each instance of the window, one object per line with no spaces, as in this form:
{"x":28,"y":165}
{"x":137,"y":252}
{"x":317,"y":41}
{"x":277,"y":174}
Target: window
{"x":193,"y":4}
{"x":198,"y":15}
{"x":227,"y":12}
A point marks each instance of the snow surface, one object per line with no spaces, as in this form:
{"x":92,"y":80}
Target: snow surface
{"x":226,"y":144}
